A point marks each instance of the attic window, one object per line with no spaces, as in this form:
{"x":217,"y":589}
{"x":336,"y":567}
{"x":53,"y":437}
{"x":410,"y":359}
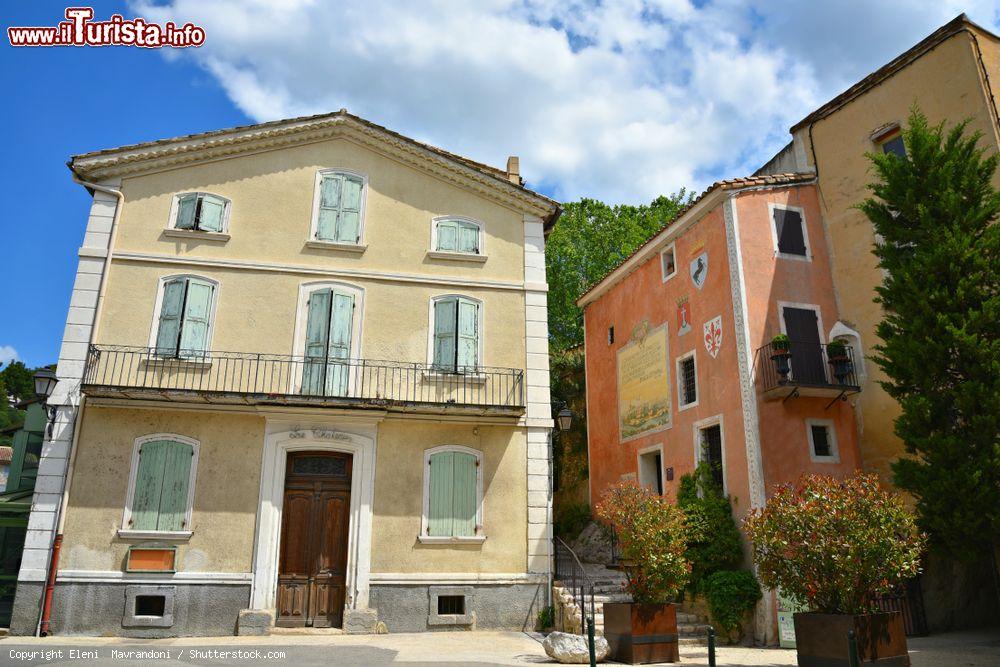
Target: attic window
{"x":668,"y":263}
{"x":200,"y":211}
{"x":890,"y":140}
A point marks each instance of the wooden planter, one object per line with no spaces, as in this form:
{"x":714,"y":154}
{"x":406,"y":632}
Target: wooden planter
{"x":821,"y":639}
{"x":641,"y":633}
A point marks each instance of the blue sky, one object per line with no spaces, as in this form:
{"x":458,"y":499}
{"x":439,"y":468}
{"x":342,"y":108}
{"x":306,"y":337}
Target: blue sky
{"x":620,"y":101}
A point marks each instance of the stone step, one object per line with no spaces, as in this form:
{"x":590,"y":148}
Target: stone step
{"x":692,"y":629}
{"x":686,"y":618}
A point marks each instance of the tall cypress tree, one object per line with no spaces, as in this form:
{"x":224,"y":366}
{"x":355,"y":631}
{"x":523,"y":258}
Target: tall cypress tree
{"x":935,"y":214}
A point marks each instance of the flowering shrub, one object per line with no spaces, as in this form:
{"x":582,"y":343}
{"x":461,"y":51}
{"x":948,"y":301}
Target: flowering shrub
{"x":653,"y":539}
{"x":834,"y":545}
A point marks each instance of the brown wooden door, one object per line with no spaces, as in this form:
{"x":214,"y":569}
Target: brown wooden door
{"x":315,"y":517}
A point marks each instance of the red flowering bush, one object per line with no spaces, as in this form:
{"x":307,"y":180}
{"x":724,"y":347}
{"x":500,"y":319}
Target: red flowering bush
{"x":833,"y":544}
{"x":653,"y":538}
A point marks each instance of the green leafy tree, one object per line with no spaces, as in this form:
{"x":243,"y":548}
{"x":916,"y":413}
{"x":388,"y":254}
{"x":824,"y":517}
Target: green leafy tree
{"x":590,"y":239}
{"x":713,"y":537}
{"x":18,"y":380}
{"x":935,"y":214}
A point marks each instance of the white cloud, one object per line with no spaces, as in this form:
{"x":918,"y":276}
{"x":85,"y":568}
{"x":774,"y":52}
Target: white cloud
{"x":621,"y":100}
{"x":7,"y":355}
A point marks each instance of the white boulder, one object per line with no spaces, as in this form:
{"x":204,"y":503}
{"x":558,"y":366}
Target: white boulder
{"x":572,"y":649}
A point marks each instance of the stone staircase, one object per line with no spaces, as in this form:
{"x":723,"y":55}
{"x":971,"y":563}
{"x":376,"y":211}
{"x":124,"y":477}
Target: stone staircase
{"x":609,"y":586}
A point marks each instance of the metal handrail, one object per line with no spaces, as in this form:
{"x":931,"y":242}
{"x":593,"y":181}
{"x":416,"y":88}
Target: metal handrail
{"x":576,"y":581}
{"x":268,"y":377}
{"x":808,"y":364}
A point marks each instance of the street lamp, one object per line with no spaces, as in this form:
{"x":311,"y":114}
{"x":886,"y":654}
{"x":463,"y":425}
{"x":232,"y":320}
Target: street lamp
{"x":45,"y":383}
{"x":565,"y":419}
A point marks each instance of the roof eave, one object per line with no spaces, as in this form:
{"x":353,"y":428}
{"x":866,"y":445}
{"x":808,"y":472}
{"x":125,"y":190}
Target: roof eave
{"x":945,"y":32}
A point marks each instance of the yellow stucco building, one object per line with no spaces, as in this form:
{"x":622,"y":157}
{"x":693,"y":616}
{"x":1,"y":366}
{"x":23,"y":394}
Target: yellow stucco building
{"x":304,"y":382}
{"x":952,"y":75}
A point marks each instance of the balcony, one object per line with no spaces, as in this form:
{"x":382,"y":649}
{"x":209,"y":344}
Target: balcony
{"x":239,"y":378}
{"x":809,"y":373}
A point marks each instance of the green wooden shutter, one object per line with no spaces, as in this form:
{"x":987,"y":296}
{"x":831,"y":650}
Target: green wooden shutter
{"x":464,"y":503}
{"x":444,"y":333}
{"x":329,"y":207}
{"x":341,"y":322}
{"x":177,"y":460}
{"x":441,"y":494}
{"x":447,"y":235}
{"x":468,"y":237}
{"x":210,"y":216}
{"x":197,"y":311}
{"x":169,"y":329}
{"x":186,"y":206}
{"x":317,"y":339}
{"x":468,"y":334}
{"x":349,"y":223}
{"x":148,"y":485}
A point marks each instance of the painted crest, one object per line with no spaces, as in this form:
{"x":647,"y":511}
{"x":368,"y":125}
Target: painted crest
{"x":699,"y":269}
{"x":713,"y":336}
{"x":683,"y":316}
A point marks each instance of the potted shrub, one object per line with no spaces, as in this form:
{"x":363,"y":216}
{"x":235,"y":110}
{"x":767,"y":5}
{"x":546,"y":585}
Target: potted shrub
{"x":836,"y":356}
{"x":781,"y":353}
{"x":652,"y":538}
{"x":834,"y":546}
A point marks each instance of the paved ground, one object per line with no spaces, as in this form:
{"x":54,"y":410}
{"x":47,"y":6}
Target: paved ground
{"x":972,"y":649}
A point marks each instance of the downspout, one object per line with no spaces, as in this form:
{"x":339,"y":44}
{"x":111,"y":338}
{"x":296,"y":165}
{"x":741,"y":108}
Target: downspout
{"x":50,"y":582}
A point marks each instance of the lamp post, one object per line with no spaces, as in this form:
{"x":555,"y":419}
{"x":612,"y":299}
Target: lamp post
{"x":45,"y":384}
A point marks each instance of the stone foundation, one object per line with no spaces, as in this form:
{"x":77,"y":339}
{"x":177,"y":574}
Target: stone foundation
{"x":412,"y":608}
{"x":108,"y":609}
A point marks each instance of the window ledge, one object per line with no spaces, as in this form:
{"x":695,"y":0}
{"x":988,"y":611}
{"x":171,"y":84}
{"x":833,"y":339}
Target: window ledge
{"x":687,"y":406}
{"x":787,"y":255}
{"x":441,"y":376}
{"x":457,"y":256}
{"x":428,"y":539}
{"x":160,"y":535}
{"x":217,"y":237}
{"x":333,"y":245}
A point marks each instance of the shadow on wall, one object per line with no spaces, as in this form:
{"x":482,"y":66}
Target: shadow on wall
{"x":959,"y":595}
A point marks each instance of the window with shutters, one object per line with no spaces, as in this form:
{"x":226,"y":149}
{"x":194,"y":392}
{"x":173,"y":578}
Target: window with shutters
{"x":453,"y":495}
{"x":329,"y":332}
{"x":709,"y":448}
{"x":201,"y":212}
{"x":788,"y":229}
{"x":822,"y":441}
{"x":456,"y":340}
{"x":457,"y":235}
{"x":338,"y":210}
{"x":183,"y":318}
{"x":687,"y":381}
{"x":161,"y":486}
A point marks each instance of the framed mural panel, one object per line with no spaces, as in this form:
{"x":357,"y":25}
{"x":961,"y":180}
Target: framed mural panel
{"x":644,"y":383}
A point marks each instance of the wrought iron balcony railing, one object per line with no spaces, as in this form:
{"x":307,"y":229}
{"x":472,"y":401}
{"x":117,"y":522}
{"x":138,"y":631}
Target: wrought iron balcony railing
{"x":114,"y":371}
{"x":805,"y":369}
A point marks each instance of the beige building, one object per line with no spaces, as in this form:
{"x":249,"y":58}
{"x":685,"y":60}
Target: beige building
{"x":951,"y":75}
{"x":304,"y":382}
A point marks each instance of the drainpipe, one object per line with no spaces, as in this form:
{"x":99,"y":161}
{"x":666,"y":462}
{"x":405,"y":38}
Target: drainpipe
{"x":50,"y":584}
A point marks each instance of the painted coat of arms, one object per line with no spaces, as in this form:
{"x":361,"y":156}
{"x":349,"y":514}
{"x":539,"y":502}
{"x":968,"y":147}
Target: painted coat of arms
{"x":699,"y":269}
{"x":713,"y":336}
{"x":683,"y":316}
